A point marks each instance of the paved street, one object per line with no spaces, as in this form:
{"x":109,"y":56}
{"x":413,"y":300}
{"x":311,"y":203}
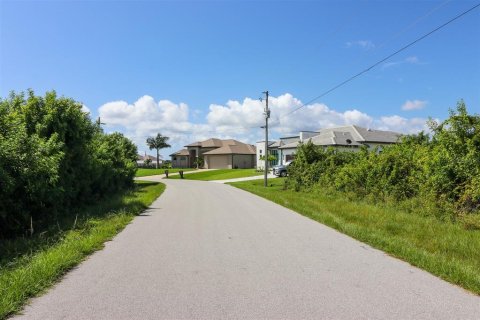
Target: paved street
{"x":211,"y":251}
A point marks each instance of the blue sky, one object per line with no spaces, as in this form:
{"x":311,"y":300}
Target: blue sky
{"x":194,"y":69}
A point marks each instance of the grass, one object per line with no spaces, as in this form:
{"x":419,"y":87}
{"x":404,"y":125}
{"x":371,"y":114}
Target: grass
{"x":29,"y":266}
{"x":220,"y":174}
{"x":444,"y":249}
{"x":143,"y":172}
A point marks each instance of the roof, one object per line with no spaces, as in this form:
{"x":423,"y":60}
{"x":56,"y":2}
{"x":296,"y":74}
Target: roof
{"x":360,"y":134}
{"x":183,"y":152}
{"x":292,"y":145}
{"x":334,"y":138}
{"x":140,"y":157}
{"x":233,"y":147}
{"x":276,"y":144}
{"x":210,"y":143}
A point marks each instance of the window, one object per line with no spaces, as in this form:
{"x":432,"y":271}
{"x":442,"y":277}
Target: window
{"x":275,"y":154}
{"x":174,"y":158}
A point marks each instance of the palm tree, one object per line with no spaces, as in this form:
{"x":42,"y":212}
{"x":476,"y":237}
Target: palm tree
{"x":159,"y":142}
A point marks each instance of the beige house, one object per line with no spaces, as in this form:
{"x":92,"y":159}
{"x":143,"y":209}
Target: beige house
{"x":216,"y":154}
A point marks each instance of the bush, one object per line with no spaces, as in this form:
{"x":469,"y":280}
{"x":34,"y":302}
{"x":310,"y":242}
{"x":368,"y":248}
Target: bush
{"x":442,"y":172}
{"x":52,"y":157}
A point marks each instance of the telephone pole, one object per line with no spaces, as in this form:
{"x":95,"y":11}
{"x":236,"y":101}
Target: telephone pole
{"x":267,"y":115}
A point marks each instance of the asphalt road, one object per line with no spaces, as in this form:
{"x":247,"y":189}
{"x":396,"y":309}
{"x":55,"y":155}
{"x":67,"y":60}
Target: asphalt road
{"x":210,"y":251}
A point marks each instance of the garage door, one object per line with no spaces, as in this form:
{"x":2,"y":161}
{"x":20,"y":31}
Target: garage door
{"x":219,"y":162}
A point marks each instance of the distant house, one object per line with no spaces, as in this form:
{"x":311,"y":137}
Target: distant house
{"x":346,"y":138}
{"x":141,"y":159}
{"x":216,"y":154}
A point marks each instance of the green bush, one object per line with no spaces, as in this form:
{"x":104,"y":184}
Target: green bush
{"x":52,"y":157}
{"x":441,"y":173}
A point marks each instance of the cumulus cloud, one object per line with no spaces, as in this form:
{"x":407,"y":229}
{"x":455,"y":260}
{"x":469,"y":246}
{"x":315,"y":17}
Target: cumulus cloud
{"x":414,"y":105}
{"x":235,"y":119}
{"x":401,"y":124}
{"x":364,"y":44}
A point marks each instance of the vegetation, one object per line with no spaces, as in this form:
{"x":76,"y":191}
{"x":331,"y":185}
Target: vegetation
{"x":143,"y":172}
{"x":52,"y":157}
{"x":443,"y":248}
{"x":30,"y":265}
{"x":439,"y":174}
{"x":220,"y":174}
{"x":157,"y":143}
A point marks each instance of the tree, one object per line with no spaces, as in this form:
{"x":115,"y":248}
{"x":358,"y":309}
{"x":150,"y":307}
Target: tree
{"x":159,"y":142}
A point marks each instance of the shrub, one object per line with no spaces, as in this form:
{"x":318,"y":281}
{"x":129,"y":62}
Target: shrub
{"x":52,"y":157}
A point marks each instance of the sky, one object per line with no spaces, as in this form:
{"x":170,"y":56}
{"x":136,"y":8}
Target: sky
{"x":192,"y":70}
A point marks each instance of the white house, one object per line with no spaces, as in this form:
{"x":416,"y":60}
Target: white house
{"x":347,"y":138}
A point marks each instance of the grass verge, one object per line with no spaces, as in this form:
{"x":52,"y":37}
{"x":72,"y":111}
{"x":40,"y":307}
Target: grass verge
{"x":444,"y":249}
{"x":143,"y":172}
{"x":28,"y":266}
{"x":220,"y":174}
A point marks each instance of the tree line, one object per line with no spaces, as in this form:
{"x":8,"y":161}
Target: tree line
{"x":435,"y":174}
{"x":54,"y":158}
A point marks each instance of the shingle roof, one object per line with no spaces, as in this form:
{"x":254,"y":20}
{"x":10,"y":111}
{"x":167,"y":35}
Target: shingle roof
{"x":360,"y":134}
{"x":291,"y":145}
{"x":233,"y":147}
{"x":334,"y":138}
{"x":183,"y":152}
{"x":276,"y":144}
{"x":210,"y":143}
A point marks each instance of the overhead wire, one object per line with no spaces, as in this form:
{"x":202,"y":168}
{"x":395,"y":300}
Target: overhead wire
{"x":384,"y":59}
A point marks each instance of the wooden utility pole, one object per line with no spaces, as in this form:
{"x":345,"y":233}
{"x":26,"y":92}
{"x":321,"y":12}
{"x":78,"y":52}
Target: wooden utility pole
{"x":267,"y":115}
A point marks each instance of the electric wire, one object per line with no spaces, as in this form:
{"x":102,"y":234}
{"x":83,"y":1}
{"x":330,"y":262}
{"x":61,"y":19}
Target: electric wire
{"x":383,"y":60}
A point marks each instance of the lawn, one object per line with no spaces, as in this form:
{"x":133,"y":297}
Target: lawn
{"x":28,"y":266}
{"x":142,"y":172}
{"x":443,"y":248}
{"x":220,"y":174}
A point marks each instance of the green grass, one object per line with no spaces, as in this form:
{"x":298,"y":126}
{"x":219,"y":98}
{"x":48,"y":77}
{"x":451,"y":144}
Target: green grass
{"x":143,"y":172}
{"x":220,"y":174}
{"x":28,"y":266}
{"x":444,"y":249}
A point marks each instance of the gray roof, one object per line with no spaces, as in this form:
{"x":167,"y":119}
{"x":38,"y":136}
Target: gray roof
{"x":334,"y":138}
{"x":292,"y":145}
{"x":360,"y":134}
{"x":276,"y":144}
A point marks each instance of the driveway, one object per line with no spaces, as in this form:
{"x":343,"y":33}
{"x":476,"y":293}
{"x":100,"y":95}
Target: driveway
{"x":211,"y":251}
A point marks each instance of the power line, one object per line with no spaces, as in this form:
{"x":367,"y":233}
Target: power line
{"x":384,"y":59}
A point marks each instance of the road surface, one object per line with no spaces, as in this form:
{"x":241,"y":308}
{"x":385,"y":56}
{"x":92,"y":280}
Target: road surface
{"x":211,"y":251}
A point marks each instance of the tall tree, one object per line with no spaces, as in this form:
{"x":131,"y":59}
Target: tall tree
{"x":158,"y":142}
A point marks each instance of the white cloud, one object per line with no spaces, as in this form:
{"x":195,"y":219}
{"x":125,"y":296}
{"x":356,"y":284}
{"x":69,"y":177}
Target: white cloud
{"x":409,"y":60}
{"x":412,"y":59}
{"x":414,"y":105}
{"x":364,"y":44}
{"x":401,"y":124}
{"x":235,"y":119}
{"x":85,"y":109}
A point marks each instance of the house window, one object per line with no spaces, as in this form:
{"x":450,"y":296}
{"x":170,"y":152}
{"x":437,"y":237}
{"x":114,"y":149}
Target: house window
{"x":289,"y":157}
{"x":275,"y":154}
{"x":174,"y":158}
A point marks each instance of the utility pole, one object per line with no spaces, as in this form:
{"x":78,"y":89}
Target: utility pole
{"x":267,"y":115}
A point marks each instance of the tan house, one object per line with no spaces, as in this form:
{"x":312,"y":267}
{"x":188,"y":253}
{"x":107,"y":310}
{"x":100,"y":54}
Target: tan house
{"x":216,"y":154}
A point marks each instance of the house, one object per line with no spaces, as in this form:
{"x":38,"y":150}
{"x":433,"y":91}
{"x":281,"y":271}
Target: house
{"x":141,"y":160}
{"x":345,"y":138}
{"x":215,"y":154}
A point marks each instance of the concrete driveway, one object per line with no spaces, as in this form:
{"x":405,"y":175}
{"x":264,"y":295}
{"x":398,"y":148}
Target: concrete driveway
{"x":211,"y":251}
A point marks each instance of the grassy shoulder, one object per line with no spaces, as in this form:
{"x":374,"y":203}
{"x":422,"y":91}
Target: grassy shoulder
{"x":445,"y":249}
{"x":144,"y":172}
{"x":220,"y":174}
{"x":28,"y":266}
